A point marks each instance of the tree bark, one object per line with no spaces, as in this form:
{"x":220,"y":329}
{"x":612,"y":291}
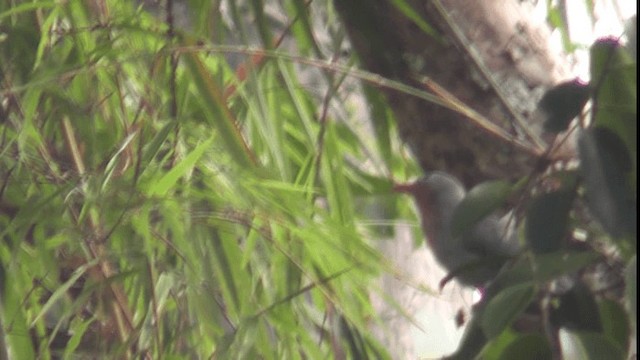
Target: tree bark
{"x":487,"y":54}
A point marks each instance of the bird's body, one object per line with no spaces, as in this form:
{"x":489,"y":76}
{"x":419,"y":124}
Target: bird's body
{"x":473,"y":258}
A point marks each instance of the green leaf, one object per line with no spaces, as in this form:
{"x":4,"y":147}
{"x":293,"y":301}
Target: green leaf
{"x":166,"y":282}
{"x":615,"y":322}
{"x":479,"y":202}
{"x":631,"y":287}
{"x":547,"y":221}
{"x":382,"y":120}
{"x":563,"y":103}
{"x":27,"y":7}
{"x":150,"y":150}
{"x":302,"y":28}
{"x":338,"y":193}
{"x":61,"y":291}
{"x":604,"y":165}
{"x":76,"y":339}
{"x":577,"y":310}
{"x":631,"y":31}
{"x":218,"y":114}
{"x":473,"y":341}
{"x":610,"y":64}
{"x":542,"y":268}
{"x":614,"y":75}
{"x":556,"y":19}
{"x":261,"y":21}
{"x":588,"y":346}
{"x":227,"y":258}
{"x":168,"y":181}
{"x":365,"y":184}
{"x":550,"y":266}
{"x":527,"y":347}
{"x":12,"y":301}
{"x":409,"y":12}
{"x":505,"y":307}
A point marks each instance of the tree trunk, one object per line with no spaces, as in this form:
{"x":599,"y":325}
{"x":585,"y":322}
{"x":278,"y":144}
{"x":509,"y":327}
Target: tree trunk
{"x":487,"y":54}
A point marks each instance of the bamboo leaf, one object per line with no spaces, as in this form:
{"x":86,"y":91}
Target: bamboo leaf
{"x":218,"y":114}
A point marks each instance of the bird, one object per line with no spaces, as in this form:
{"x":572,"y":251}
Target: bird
{"x":473,"y":258}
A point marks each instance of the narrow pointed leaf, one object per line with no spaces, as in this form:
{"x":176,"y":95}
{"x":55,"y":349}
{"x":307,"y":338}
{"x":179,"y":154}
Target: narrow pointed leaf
{"x":218,"y":112}
{"x":504,"y":308}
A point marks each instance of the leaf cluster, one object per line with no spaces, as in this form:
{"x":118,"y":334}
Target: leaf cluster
{"x":578,"y":224}
{"x":162,"y":196}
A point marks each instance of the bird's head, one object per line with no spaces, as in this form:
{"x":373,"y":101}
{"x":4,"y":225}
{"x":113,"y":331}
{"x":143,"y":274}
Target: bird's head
{"x":436,"y":195}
